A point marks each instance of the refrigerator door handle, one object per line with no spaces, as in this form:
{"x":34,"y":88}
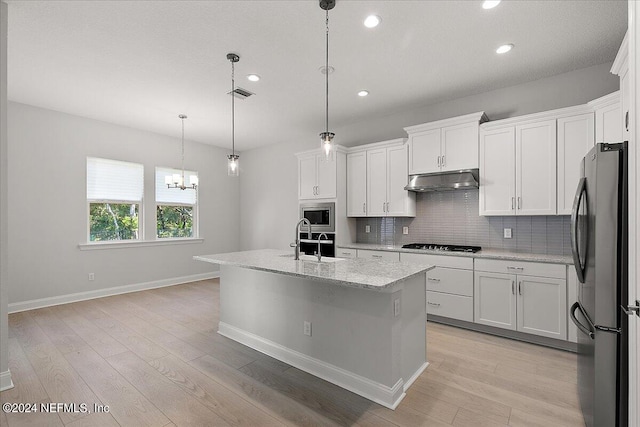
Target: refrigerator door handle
{"x":575,"y":250}
{"x":572,"y":314}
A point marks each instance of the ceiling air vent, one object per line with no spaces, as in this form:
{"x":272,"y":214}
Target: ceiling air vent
{"x":241,"y":93}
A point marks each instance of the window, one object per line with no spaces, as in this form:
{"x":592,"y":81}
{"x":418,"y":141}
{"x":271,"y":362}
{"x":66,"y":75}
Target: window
{"x":176,"y":209}
{"x":114,"y":199}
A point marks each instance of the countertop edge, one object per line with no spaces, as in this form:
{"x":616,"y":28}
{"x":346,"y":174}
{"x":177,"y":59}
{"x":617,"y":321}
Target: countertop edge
{"x":357,"y":285}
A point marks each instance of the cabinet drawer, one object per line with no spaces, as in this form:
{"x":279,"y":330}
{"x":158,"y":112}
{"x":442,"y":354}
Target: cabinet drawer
{"x":451,"y":281}
{"x":452,"y":306}
{"x":383,"y":255}
{"x":345,"y":253}
{"x":557,"y":271}
{"x":438,"y":260}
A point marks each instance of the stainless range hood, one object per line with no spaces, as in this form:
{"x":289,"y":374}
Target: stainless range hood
{"x":444,"y":181}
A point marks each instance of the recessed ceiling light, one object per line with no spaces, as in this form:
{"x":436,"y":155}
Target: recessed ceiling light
{"x":363,"y":93}
{"x":372,"y":21}
{"x":253,"y":77}
{"x":504,"y":48}
{"x":490,"y":4}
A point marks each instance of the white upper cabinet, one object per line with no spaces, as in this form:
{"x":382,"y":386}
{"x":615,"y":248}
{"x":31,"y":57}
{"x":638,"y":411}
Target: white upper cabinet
{"x":317,"y":174}
{"x":424,"y":151}
{"x":575,"y":139}
{"x":357,"y":184}
{"x":608,"y":118}
{"x":497,"y":172}
{"x":377,"y":182}
{"x":445,"y":145}
{"x":399,"y":200}
{"x":620,"y":68}
{"x":530,"y":165}
{"x":376,"y":176}
{"x":536,"y":168}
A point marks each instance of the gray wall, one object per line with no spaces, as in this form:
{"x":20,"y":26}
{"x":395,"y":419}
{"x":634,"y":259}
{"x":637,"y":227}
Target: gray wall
{"x":48,"y":211}
{"x":5,"y":380}
{"x":277,"y":164}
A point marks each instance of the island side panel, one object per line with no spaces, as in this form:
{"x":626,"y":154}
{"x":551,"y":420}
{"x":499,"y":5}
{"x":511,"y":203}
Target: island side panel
{"x":414,"y":328}
{"x":352,"y":329}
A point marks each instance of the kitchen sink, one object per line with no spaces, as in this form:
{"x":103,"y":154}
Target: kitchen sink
{"x":314,"y":258}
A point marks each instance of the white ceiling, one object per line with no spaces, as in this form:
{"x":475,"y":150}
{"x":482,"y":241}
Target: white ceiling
{"x":141,"y":63}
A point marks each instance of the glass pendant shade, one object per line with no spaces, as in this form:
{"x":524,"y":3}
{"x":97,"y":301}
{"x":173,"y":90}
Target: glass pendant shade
{"x":233,"y":165}
{"x":326,"y":139}
{"x":193,"y":180}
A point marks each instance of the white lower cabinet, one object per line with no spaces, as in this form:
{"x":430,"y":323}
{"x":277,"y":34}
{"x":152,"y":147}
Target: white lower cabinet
{"x":449,"y":289}
{"x":381,"y":255}
{"x":449,"y":305}
{"x":532,"y":304}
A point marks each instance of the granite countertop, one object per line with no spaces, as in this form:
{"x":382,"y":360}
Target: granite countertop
{"x":352,"y":272}
{"x":484,"y":253}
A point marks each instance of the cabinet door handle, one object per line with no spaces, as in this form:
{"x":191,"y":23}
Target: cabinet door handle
{"x":513,"y":203}
{"x":435,"y":304}
{"x":383,"y":207}
{"x":519,"y":203}
{"x":442,"y":162}
{"x":376,"y":256}
{"x":314,"y":190}
{"x":513,"y":287}
{"x":433,"y":279}
{"x":364,"y":207}
{"x":515,"y":268}
{"x":438,"y":161}
{"x":387,"y":207}
{"x":520,"y":288}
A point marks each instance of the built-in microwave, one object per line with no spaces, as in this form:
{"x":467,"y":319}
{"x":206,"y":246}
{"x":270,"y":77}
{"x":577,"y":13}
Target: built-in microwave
{"x":322,"y":216}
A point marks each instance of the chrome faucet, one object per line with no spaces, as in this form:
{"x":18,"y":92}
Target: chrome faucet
{"x":319,"y":242}
{"x":296,"y":244}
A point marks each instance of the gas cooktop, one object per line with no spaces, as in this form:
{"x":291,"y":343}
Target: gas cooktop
{"x":439,"y":247}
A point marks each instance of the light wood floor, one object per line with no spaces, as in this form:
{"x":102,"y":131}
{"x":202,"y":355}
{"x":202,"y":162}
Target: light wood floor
{"x":155,"y":359}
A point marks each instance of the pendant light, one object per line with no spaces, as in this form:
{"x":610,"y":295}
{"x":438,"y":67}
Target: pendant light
{"x":233,"y":166}
{"x":177,"y":180}
{"x":326,"y":137}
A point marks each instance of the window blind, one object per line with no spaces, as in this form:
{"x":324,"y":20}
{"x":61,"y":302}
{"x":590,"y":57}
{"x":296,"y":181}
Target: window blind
{"x":114,"y":180}
{"x":170,"y":196}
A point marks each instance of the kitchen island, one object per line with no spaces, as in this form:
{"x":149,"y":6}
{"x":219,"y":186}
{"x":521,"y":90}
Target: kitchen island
{"x":357,"y":323}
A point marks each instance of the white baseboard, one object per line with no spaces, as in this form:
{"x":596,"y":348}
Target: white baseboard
{"x":415,"y":376}
{"x":5,"y":380}
{"x":388,"y":397}
{"x":81,"y":296}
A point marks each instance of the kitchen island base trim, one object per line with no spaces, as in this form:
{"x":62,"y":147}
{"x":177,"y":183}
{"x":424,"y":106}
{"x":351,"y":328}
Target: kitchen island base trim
{"x":389,"y":397}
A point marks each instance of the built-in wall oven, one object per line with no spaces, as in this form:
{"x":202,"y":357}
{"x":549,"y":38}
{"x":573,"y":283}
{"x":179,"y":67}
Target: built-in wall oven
{"x":322,"y":218}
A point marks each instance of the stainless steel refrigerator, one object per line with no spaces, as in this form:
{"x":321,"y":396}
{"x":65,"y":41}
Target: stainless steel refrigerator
{"x":599,"y":235}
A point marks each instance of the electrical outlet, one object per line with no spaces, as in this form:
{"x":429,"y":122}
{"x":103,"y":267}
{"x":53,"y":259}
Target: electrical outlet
{"x":307,"y":328}
{"x":396,"y":307}
{"x":367,"y":229}
{"x":405,"y":230}
{"x":92,"y":277}
{"x":507,"y":233}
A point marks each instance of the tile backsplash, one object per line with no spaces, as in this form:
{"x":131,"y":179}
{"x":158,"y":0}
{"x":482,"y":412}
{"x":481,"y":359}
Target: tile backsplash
{"x":451,"y":217}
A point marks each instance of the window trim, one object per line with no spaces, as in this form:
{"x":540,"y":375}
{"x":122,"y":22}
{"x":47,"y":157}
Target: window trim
{"x":120,"y":244}
{"x":195,"y":206}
